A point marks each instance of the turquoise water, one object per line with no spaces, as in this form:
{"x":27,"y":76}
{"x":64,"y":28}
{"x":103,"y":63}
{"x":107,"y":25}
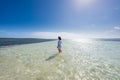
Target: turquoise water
{"x":80,"y":60}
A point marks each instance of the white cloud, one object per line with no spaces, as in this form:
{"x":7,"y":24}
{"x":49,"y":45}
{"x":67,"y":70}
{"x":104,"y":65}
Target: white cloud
{"x":69,"y":35}
{"x":65,"y":35}
{"x":114,"y":32}
{"x":117,"y":28}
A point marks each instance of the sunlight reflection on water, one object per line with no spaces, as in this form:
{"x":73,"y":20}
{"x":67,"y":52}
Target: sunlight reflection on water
{"x":83,"y":40}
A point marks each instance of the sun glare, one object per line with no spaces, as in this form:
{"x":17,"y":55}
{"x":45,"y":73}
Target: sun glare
{"x":83,"y":3}
{"x":86,"y":1}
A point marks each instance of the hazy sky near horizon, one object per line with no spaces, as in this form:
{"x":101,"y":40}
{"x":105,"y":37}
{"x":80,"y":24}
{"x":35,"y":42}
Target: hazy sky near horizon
{"x":68,"y":18}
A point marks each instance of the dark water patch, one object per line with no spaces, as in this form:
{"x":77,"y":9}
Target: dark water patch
{"x":19,"y":41}
{"x":106,"y":39}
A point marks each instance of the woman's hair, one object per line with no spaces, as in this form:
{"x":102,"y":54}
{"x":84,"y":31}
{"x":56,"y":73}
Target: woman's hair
{"x":59,"y":38}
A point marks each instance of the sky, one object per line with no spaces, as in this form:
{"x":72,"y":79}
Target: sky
{"x":67,"y":18}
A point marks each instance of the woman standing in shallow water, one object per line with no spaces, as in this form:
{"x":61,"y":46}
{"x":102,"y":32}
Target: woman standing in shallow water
{"x":59,"y":46}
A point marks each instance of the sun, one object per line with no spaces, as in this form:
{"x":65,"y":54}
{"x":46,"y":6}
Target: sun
{"x":83,"y":3}
{"x":86,"y":1}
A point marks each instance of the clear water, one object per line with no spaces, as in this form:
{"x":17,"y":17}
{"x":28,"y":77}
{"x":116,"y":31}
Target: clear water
{"x":80,"y":60}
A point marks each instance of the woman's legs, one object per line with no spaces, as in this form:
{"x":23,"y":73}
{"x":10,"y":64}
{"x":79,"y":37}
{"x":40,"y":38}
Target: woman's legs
{"x":59,"y":50}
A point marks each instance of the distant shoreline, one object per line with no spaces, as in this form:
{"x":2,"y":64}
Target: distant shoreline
{"x":19,"y":41}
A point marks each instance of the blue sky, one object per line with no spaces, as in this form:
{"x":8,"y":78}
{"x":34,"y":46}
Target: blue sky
{"x":49,"y":18}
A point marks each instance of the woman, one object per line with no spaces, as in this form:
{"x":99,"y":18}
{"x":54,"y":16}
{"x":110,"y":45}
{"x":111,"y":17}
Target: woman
{"x":59,"y":44}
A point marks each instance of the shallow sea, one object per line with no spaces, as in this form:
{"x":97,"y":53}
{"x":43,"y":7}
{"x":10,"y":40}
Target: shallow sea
{"x":84,"y":59}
